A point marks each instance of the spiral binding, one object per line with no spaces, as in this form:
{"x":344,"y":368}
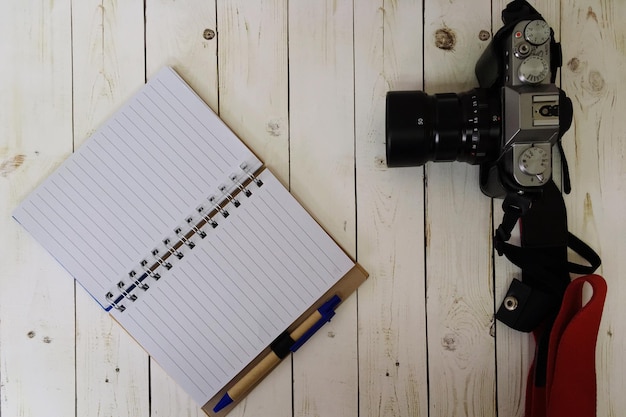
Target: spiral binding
{"x":246,"y":169}
{"x":217,"y":206}
{"x":228,"y":196}
{"x":173,"y":248}
{"x":240,"y":186}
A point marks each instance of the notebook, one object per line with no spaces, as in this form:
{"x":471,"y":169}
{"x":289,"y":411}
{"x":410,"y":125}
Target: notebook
{"x":178,"y":230}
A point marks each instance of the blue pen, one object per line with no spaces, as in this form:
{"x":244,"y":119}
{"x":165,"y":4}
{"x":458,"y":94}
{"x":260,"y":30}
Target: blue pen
{"x":281,"y":347}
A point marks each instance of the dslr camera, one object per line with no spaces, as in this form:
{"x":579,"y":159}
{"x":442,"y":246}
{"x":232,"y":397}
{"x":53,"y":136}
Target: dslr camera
{"x":508,"y":126}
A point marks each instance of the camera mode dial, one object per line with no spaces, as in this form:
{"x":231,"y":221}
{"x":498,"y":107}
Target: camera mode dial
{"x":537,"y":32}
{"x":533,"y":70}
{"x":534,"y":161}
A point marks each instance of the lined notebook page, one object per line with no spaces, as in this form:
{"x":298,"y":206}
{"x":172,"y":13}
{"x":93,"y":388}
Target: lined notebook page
{"x":132,"y":183}
{"x":236,"y":290}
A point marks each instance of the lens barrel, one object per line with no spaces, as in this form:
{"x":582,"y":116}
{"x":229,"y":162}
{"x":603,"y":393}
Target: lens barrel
{"x":443,"y":127}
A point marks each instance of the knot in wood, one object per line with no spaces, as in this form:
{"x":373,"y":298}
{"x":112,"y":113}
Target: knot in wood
{"x":573,"y":64}
{"x":596,"y":81}
{"x":449,"y":342}
{"x":445,"y":39}
{"x":208,"y":34}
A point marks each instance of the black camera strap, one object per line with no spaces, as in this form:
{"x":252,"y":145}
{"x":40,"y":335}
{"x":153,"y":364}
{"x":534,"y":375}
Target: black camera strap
{"x":532,"y":303}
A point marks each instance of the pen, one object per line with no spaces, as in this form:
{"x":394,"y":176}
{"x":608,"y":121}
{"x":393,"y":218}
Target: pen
{"x":281,"y":347}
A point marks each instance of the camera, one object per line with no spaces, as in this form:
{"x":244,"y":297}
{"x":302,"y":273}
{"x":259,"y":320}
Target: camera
{"x":508,"y":125}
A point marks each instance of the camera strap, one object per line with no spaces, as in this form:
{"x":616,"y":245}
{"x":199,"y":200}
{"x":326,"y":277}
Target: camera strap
{"x":570,"y":373}
{"x":542,"y":256}
{"x":547,"y":303}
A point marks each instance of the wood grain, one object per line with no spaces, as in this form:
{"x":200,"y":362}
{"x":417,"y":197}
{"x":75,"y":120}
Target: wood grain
{"x":254,"y":83}
{"x":461,"y":358}
{"x":178,"y":34}
{"x":594,"y":60}
{"x":37,"y":337}
{"x":321,"y":118}
{"x":390,"y":229}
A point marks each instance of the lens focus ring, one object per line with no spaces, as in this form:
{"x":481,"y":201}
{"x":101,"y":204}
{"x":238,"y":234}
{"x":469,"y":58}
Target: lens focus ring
{"x":409,"y":116}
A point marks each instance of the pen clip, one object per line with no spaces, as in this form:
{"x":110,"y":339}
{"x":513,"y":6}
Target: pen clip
{"x":327,"y":311}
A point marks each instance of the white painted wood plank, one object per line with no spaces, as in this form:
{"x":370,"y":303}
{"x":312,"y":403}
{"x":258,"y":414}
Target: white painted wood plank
{"x":253,"y":77}
{"x":392,"y":324}
{"x":593,"y":76}
{"x":181,"y":35}
{"x":108,"y":56}
{"x":36,"y":295}
{"x":168,"y":398}
{"x":321,"y":94}
{"x":108,"y":51}
{"x":458,"y":231}
{"x":253,"y":101}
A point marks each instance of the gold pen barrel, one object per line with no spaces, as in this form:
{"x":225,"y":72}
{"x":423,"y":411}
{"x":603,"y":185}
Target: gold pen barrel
{"x":311,"y":321}
{"x":254,"y":376}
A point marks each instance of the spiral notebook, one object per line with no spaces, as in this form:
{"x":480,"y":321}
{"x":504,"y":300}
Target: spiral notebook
{"x":174,"y":226}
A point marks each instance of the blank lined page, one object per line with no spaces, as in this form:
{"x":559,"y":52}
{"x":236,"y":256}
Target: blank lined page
{"x":236,"y":290}
{"x":126,"y":189}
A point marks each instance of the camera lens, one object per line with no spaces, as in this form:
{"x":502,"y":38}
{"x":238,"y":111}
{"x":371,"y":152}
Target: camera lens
{"x":443,"y":127}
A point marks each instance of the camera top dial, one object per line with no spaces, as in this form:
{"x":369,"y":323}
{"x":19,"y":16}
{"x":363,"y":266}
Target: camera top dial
{"x":528,"y":54}
{"x":534,"y":161}
{"x":534,"y":164}
{"x":537,"y":32}
{"x":533,"y":70}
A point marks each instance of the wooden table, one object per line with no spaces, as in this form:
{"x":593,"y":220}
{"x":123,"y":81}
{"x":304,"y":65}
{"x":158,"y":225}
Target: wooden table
{"x":303,"y":83}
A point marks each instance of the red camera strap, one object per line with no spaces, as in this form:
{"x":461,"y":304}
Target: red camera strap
{"x":570,"y":388}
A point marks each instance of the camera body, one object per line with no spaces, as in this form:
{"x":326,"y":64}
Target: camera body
{"x":508,"y":125}
{"x":530,"y":103}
